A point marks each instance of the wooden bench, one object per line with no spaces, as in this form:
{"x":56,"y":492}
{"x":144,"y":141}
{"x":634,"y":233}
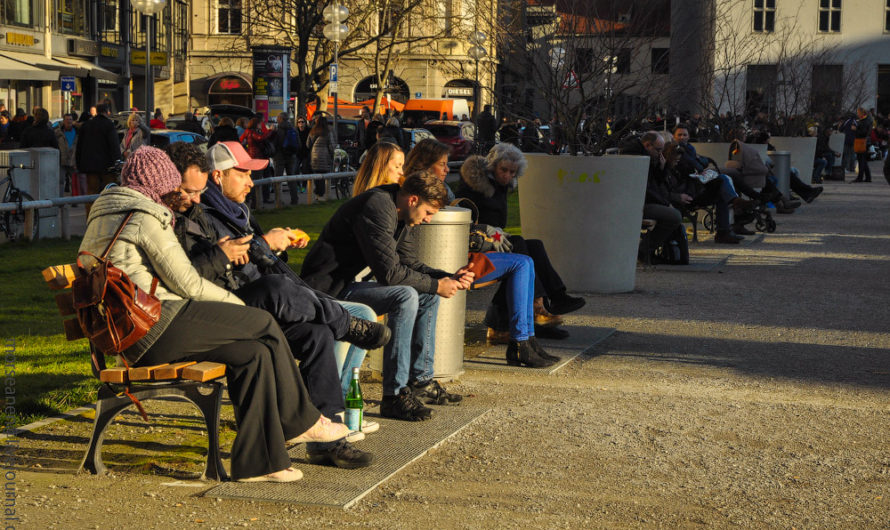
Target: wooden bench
{"x":200,"y":383}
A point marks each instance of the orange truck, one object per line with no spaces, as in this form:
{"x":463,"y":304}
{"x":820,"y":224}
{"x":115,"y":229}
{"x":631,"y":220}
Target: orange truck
{"x":423,"y":110}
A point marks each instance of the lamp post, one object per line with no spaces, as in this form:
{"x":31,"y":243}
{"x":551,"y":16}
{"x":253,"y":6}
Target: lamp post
{"x":335,"y":32}
{"x":476,"y":52}
{"x":148,"y":8}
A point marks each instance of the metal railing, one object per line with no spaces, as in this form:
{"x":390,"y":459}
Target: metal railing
{"x":63,"y":203}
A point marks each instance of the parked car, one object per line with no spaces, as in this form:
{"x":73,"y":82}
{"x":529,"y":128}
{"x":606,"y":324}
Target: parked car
{"x":459,"y":135}
{"x":422,"y":110}
{"x":161,"y":138}
{"x":416,"y":134}
{"x":214,"y":113}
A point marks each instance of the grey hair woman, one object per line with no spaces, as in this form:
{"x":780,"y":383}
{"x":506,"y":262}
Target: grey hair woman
{"x":505,"y":161}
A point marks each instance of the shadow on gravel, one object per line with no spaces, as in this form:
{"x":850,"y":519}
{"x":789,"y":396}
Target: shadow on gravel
{"x":791,"y":360}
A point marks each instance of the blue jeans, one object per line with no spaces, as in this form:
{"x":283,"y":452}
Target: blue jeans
{"x":349,"y":356}
{"x":412,"y":318}
{"x":518,"y":273}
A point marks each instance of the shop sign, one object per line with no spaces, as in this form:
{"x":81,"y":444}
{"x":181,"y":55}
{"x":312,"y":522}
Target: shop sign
{"x":458,"y":91}
{"x":83,"y":48}
{"x":157,"y":58}
{"x":229,"y":84}
{"x":20,"y":39}
{"x":112,"y":51}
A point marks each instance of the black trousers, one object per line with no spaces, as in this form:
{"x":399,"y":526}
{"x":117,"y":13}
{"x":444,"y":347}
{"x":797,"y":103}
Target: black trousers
{"x":291,"y":301}
{"x":271,"y":402}
{"x":864,"y":170}
{"x":313,"y":346}
{"x":547,"y":281}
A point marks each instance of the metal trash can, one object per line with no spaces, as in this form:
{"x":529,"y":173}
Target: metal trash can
{"x":443,"y":243}
{"x":782,"y":171}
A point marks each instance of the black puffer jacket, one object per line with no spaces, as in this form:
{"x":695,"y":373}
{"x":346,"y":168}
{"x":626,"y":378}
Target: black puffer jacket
{"x":198,"y":237}
{"x":366,"y":232}
{"x":478,"y":185}
{"x":98,"y":146}
{"x":39,"y":136}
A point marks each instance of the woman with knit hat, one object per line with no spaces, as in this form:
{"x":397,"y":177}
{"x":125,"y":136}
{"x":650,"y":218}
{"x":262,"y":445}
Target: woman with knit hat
{"x":203,"y":322}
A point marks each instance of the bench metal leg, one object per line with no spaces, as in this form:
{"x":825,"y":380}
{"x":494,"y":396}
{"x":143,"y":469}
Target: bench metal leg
{"x":110,"y":404}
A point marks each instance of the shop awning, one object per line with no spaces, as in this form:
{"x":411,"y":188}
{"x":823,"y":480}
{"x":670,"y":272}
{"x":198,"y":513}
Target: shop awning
{"x":87,"y":67}
{"x":10,"y":69}
{"x":42,"y":62}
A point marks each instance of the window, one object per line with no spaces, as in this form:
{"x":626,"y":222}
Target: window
{"x":452,"y":12}
{"x":760,"y":87}
{"x":660,"y":60}
{"x":228,"y":17}
{"x":830,"y":16}
{"x":70,"y":17}
{"x":583,"y":61}
{"x":17,"y":12}
{"x":764,"y":16}
{"x":827,"y":85}
{"x":108,"y":17}
{"x":387,"y":18}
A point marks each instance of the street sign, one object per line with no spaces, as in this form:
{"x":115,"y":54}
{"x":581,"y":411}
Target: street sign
{"x":334,"y":73}
{"x":157,"y":58}
{"x":67,"y":82}
{"x":335,"y":86}
{"x":418,"y":95}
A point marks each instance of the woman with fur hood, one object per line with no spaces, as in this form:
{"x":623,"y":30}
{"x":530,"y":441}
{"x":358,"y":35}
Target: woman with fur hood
{"x":486,"y":181}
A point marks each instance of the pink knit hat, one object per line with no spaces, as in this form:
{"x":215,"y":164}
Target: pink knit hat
{"x":151,"y":172}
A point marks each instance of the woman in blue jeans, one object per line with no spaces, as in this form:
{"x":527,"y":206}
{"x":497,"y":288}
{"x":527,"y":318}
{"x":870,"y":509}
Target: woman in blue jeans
{"x":517,"y":271}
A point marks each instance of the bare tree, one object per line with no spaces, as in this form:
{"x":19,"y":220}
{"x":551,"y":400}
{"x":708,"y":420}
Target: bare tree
{"x":589,"y":65}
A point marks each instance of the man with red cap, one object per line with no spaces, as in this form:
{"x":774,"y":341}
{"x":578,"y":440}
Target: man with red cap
{"x":211,"y":213}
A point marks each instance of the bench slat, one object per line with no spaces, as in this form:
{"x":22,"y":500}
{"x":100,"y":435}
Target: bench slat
{"x":204,"y":371}
{"x":143,"y":373}
{"x":171,"y":371}
{"x":113,"y":375}
{"x":65,"y":301}
{"x":61,"y":276}
{"x":73,"y":330}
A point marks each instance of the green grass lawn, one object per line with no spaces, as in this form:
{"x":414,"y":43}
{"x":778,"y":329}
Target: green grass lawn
{"x":53,"y":375}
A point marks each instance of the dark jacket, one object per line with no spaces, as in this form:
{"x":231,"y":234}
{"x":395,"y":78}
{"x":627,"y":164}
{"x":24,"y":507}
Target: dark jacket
{"x":198,"y":236}
{"x":863,"y":126}
{"x":478,"y":185}
{"x":223,"y":133}
{"x":39,"y":136}
{"x":191,"y":125}
{"x":366,"y":232}
{"x":98,"y":147}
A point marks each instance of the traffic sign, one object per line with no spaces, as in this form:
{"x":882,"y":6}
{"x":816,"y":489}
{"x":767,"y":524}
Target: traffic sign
{"x":334,"y":73}
{"x":67,"y":82}
{"x":418,"y":95}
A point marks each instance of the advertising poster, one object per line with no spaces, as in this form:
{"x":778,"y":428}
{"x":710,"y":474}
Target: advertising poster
{"x":271,"y":74}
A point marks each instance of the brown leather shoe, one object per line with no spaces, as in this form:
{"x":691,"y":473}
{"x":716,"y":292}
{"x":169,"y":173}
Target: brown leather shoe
{"x":493,"y":336}
{"x":543,"y":317}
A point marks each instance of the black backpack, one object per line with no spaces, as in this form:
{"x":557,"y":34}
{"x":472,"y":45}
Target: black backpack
{"x":674,"y":251}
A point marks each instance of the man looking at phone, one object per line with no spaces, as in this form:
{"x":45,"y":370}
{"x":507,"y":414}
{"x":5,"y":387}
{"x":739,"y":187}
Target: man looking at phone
{"x":375,"y":230}
{"x":311,"y":321}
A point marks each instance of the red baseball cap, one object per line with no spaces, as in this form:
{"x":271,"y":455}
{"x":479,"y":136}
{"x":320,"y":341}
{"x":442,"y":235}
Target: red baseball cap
{"x":226,"y":155}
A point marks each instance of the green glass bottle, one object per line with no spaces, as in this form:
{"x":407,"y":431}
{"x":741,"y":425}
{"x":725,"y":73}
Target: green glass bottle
{"x":354,"y":403}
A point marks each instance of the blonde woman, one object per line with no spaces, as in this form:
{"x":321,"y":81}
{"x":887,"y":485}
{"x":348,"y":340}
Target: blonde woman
{"x":382,"y":165}
{"x":136,"y":136}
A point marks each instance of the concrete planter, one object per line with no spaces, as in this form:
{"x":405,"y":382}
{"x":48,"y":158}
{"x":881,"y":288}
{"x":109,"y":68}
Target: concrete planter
{"x":587,"y":211}
{"x":803,"y":151}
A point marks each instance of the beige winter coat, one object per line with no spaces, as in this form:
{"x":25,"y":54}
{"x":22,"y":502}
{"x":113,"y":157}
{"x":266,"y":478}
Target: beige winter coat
{"x":147,"y":248}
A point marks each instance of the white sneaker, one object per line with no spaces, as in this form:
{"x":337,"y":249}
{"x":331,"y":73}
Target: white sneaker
{"x":355,"y":436}
{"x":369,"y":426}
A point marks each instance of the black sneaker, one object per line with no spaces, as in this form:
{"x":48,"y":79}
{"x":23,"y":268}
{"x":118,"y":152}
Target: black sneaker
{"x":404,"y":407}
{"x":432,"y":393}
{"x":341,"y":454}
{"x":366,"y":334}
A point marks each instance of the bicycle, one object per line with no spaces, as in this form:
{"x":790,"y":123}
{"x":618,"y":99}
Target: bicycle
{"x":12,"y":223}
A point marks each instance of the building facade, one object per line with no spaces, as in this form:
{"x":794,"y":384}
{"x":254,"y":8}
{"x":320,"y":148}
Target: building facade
{"x":429,"y":53}
{"x":70,"y":54}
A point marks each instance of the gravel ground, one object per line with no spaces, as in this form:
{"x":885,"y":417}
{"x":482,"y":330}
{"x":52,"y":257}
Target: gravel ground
{"x":752,"y":396}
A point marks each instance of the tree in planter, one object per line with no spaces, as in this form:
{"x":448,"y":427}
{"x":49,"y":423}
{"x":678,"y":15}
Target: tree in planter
{"x":588,"y":65}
